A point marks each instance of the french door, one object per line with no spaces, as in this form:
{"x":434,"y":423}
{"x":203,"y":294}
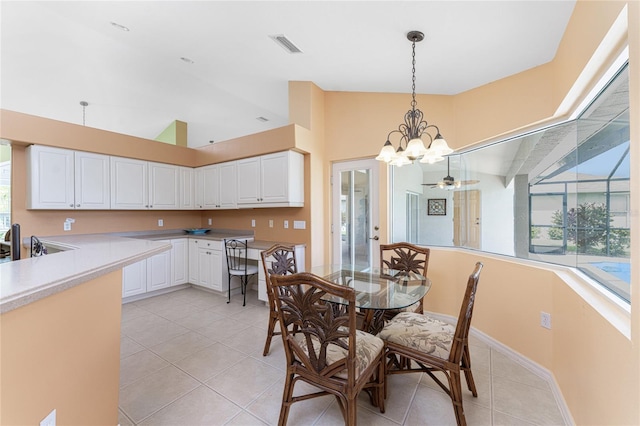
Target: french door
{"x":355,"y":222}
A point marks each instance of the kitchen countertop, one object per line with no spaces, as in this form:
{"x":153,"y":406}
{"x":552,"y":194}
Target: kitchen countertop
{"x":88,"y":256}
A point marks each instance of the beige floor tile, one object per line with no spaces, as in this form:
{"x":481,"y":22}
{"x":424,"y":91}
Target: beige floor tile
{"x":161,"y":331}
{"x":201,"y":406}
{"x":400,"y":391}
{"x":480,"y":359}
{"x":267,"y":406}
{"x":139,"y":365}
{"x":123,"y":420}
{"x":182,"y":346}
{"x":222,"y":329}
{"x":250,"y":341}
{"x":210,"y":361}
{"x":525,"y":402}
{"x":228,"y":309}
{"x":129,"y":347}
{"x":131,"y":310}
{"x":502,"y":419}
{"x":173,"y":313}
{"x":199,"y":318}
{"x":208,"y":300}
{"x":505,"y":367}
{"x":244,"y":381}
{"x":252,"y":315}
{"x":245,"y":419}
{"x":333,"y":416}
{"x":149,"y":394}
{"x":430,"y":407}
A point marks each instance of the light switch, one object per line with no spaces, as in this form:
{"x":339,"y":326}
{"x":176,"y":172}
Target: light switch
{"x":270,"y":223}
{"x":253,"y":223}
{"x":286,"y":224}
{"x":160,"y":222}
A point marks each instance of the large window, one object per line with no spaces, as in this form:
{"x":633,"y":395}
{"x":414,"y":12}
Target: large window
{"x":558,"y":195}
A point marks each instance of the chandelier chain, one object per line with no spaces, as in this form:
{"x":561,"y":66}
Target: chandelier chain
{"x":413,"y":75}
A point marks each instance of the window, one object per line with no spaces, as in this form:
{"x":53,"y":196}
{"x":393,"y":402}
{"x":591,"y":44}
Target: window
{"x":559,"y":195}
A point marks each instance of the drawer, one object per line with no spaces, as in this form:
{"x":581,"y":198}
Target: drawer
{"x":210,"y":244}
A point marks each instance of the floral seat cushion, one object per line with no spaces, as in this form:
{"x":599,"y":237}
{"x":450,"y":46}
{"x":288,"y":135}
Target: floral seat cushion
{"x":368,"y":347}
{"x":419,"y":332}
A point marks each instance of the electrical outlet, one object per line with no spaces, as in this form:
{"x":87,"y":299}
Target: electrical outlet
{"x":253,"y":223}
{"x":286,"y":224}
{"x":66,"y":226}
{"x":209,"y":221}
{"x":160,"y":222}
{"x":50,"y":420}
{"x":545,"y":320}
{"x":270,"y":223}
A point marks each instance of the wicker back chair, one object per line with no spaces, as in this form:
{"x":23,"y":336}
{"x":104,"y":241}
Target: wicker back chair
{"x":277,"y":260}
{"x":434,"y":345}
{"x":322,"y":345}
{"x":405,"y":257}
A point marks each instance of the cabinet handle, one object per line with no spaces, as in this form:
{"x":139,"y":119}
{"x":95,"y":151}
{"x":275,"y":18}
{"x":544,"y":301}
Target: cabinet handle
{"x":70,"y":205}
{"x":77,"y":205}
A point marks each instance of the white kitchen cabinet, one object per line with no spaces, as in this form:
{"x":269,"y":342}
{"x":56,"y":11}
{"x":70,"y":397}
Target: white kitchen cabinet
{"x":92,"y":186}
{"x":129,"y":184}
{"x":164,"y":185}
{"x":194,"y":272}
{"x":65,"y":179}
{"x":215,"y":187}
{"x":134,"y":279}
{"x":187,"y":188}
{"x":159,"y":270}
{"x":179,"y":261}
{"x":206,"y":259}
{"x":273,"y":180}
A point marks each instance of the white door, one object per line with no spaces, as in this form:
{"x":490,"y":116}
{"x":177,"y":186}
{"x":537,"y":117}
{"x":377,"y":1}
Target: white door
{"x":134,"y":279}
{"x":227,"y":184}
{"x":274,"y":177}
{"x":249,"y":180}
{"x":187,"y":188}
{"x":159,"y":271}
{"x":50,"y":178}
{"x":355,"y":218}
{"x":179,"y":261}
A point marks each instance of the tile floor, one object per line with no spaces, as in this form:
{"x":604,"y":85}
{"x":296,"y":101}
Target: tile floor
{"x":189,"y":358}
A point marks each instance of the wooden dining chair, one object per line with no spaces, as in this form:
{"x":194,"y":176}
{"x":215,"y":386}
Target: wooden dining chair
{"x":279,"y":260}
{"x":323,"y":346}
{"x":238,"y":266}
{"x":434,"y":346}
{"x":405,"y":257}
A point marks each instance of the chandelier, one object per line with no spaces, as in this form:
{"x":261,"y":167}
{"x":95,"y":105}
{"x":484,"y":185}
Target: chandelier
{"x":414,"y":128}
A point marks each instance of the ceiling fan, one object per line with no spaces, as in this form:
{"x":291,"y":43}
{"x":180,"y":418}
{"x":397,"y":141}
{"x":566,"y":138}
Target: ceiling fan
{"x":448,"y":182}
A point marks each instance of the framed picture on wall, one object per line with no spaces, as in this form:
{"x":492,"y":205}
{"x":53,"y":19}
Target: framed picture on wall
{"x":437,"y":206}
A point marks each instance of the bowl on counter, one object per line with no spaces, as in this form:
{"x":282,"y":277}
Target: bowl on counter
{"x":197,"y":231}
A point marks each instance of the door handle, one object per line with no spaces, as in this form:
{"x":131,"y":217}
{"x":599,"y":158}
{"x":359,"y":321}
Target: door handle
{"x":374,"y":238}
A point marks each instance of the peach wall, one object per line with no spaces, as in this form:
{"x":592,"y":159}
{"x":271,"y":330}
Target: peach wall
{"x":63,"y":352}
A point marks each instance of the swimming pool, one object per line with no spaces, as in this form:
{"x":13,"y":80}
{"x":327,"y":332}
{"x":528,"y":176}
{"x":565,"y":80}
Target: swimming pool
{"x":617,"y":269}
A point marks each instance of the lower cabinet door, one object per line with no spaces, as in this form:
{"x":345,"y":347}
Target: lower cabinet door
{"x":179,"y":261}
{"x":134,"y":279}
{"x":159,"y":271}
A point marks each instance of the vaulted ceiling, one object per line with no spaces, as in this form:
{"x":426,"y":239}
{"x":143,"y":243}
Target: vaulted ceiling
{"x":214,"y":65}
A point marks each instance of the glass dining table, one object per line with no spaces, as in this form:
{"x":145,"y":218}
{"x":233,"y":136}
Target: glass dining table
{"x":377,"y":290}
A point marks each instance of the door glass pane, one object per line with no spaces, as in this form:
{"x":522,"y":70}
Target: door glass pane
{"x":354,"y":217}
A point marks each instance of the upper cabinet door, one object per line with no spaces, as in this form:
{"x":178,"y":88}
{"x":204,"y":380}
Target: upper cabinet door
{"x":249,"y":181}
{"x":227,"y":186}
{"x":129,"y":184}
{"x":50,"y":178}
{"x":92,"y":181}
{"x":164,"y":181}
{"x":187,"y":188}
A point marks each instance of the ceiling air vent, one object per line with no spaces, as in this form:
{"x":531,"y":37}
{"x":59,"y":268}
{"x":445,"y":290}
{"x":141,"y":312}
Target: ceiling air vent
{"x":286,"y":44}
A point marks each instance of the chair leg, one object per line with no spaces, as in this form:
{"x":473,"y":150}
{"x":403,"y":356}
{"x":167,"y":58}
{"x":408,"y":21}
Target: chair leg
{"x":272,"y":325}
{"x":455,"y":389}
{"x":229,"y":290}
{"x":381,"y":389}
{"x":352,"y":412}
{"x":287,"y":397}
{"x":466,"y":367}
{"x":243,"y":284}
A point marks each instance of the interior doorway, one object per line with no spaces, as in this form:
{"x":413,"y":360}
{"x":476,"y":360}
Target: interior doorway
{"x":467,"y":216}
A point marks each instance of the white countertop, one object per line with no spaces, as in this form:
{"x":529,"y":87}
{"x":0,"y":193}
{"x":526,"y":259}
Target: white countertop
{"x":30,"y":279}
